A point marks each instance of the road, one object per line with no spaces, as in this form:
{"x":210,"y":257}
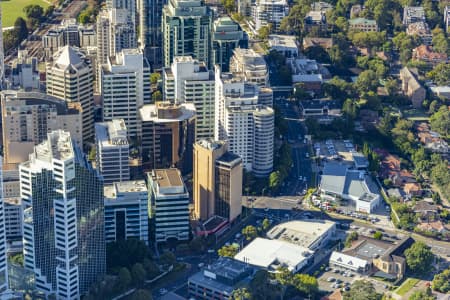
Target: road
{"x":295,"y":136}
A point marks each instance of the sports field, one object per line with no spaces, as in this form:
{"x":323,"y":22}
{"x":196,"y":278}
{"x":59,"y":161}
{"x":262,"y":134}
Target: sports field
{"x":12,"y":9}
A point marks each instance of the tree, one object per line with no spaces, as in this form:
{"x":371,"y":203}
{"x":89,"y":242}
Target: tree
{"x":123,"y":279}
{"x":138,"y":273}
{"x":228,"y":251}
{"x":249,"y":232}
{"x":141,"y":294}
{"x":264,"y":32}
{"x":440,"y":121}
{"x":440,"y":74}
{"x":419,"y":258}
{"x":135,"y":249}
{"x":33,"y":11}
{"x":262,"y":288}
{"x":49,"y":11}
{"x":367,"y":81}
{"x":306,"y":284}
{"x":440,"y":41}
{"x":20,"y":27}
{"x":196,"y":244}
{"x":157,"y":96}
{"x":275,"y":180}
{"x":154,"y":77}
{"x":422,"y":295}
{"x":241,"y":294}
{"x":353,"y":236}
{"x":441,"y":281}
{"x":229,"y":5}
{"x":150,"y":267}
{"x":362,"y":290}
{"x":378,"y":235}
{"x":265,"y":224}
{"x":168,"y":258}
{"x":84,"y":17}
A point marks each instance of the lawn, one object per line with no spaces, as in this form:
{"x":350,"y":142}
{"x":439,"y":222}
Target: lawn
{"x":407,"y":285}
{"x":12,"y":9}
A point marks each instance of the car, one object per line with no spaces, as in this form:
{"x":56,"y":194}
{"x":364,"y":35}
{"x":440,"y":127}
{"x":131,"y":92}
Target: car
{"x":336,"y":271}
{"x":346,"y":289}
{"x":331,"y":279}
{"x":163,"y":291}
{"x":327,"y":269}
{"x":338,"y":281}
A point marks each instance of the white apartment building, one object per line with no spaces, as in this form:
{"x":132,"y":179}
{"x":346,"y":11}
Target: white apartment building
{"x":126,"y":211}
{"x":250,"y":66}
{"x":190,"y":81}
{"x":247,"y":125}
{"x":125,"y":87}
{"x":170,"y":204}
{"x":267,"y":12}
{"x":115,"y":31}
{"x":12,"y":204}
{"x":70,"y":77}
{"x":413,"y":14}
{"x":63,"y":215}
{"x":113,"y":151}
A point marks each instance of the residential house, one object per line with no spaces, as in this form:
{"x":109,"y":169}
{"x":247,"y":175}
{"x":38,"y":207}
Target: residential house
{"x":411,"y":87}
{"x":325,"y":43}
{"x":435,"y":226}
{"x":430,"y":139}
{"x":426,"y":211}
{"x":426,"y":54}
{"x":362,"y":24}
{"x":412,"y":189}
{"x":422,"y":30}
{"x":309,"y":73}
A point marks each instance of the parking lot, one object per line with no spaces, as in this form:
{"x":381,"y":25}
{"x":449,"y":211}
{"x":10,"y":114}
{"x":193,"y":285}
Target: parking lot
{"x":335,"y":278}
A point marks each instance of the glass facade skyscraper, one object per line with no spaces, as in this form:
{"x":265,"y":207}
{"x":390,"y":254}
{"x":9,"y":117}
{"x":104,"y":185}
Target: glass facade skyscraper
{"x":63,"y":226}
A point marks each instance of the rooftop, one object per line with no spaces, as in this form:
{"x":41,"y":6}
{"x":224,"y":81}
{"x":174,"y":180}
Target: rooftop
{"x":165,"y":112}
{"x":362,"y":21}
{"x":339,"y":179}
{"x":271,"y":254}
{"x":211,"y":144}
{"x":131,"y":186}
{"x":57,"y":146}
{"x":278,"y":40}
{"x":167,"y":178}
{"x":111,"y":133}
{"x":301,"y":233}
{"x":229,"y":159}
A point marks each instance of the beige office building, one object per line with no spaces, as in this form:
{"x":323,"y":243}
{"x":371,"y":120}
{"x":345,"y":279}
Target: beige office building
{"x":70,"y":77}
{"x":217,"y":180}
{"x":27,"y":117}
{"x":205,"y":154}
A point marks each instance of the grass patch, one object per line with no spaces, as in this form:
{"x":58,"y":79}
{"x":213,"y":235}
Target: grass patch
{"x":407,"y":286}
{"x":12,"y":9}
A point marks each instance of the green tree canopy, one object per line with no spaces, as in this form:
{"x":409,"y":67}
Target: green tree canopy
{"x":440,"y":121}
{"x":362,"y":290}
{"x":441,"y":282}
{"x":419,"y":258}
{"x":228,"y":251}
{"x":123,"y":279}
{"x":138,"y":273}
{"x":249,"y":232}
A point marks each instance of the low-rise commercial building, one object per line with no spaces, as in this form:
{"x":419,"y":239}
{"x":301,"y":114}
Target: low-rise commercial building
{"x":338,"y":181}
{"x":362,"y":24}
{"x":126,"y":211}
{"x":220,"y":279}
{"x":285,"y":44}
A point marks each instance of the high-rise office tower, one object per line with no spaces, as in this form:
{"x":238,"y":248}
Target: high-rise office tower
{"x":115,"y":32}
{"x":250,"y":66}
{"x":190,"y":81}
{"x":113,"y":151}
{"x":186,"y":27}
{"x":169,"y":204}
{"x":226,"y":36}
{"x":70,"y":77}
{"x":206,"y":153}
{"x":168,"y":133}
{"x":27,"y":117}
{"x":217,"y":181}
{"x":228,"y":186}
{"x":63,"y":221}
{"x":3,"y":261}
{"x":125,"y":87}
{"x":126,"y":211}
{"x":128,"y":5}
{"x":2,"y":53}
{"x":247,"y":125}
{"x":150,"y":39}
